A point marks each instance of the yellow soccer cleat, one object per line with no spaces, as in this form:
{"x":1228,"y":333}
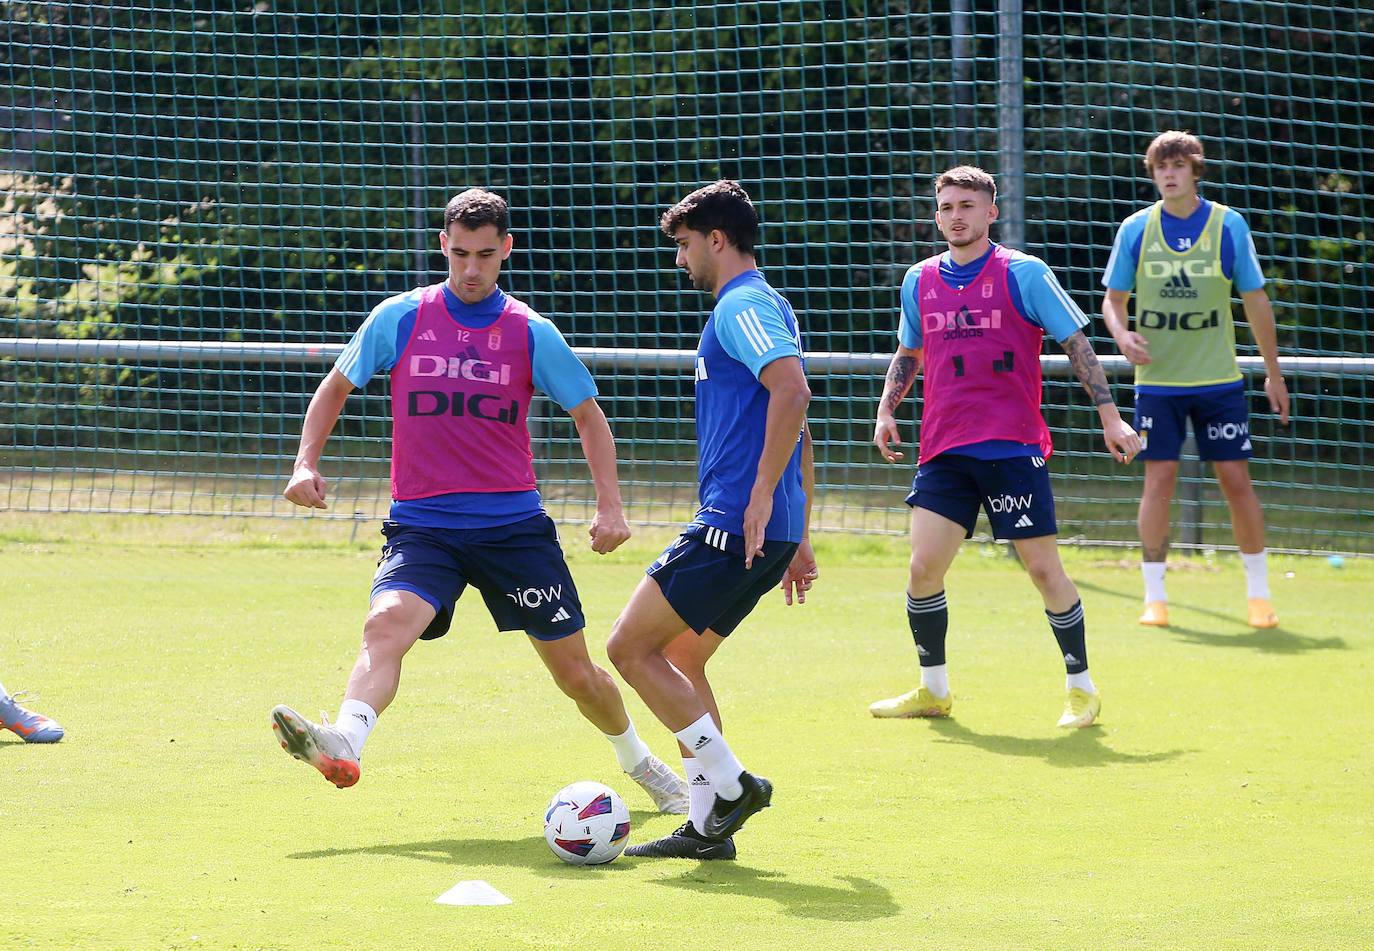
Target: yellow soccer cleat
{"x":917,"y":703}
{"x":1080,"y":709}
{"x":1156,"y":614}
{"x":1262,"y":613}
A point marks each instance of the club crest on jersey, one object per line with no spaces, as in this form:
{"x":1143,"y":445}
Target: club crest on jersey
{"x":987,"y":290}
{"x":494,"y":340}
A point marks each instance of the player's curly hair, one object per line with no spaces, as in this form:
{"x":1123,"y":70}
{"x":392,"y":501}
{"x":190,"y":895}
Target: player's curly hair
{"x":721,"y":206}
{"x":477,"y":207}
{"x":967,"y":176}
{"x":1174,"y":144}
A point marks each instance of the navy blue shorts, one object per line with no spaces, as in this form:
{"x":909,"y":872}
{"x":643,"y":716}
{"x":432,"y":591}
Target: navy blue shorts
{"x":1221,"y":424}
{"x":703,"y":577}
{"x":1014,"y":492}
{"x":519,"y":569}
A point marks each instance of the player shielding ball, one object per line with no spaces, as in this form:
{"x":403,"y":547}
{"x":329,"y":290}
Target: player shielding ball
{"x":750,"y":533}
{"x":1182,"y":257}
{"x":972,"y":321}
{"x":465,"y":359}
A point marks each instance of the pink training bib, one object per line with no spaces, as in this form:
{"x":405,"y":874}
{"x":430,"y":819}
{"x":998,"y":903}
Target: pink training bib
{"x":981,"y":362}
{"x":459,"y":402}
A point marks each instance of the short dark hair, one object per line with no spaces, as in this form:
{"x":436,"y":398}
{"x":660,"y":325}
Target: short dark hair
{"x":722,"y":206}
{"x":1174,"y":144}
{"x":968,"y":176}
{"x":477,"y":207}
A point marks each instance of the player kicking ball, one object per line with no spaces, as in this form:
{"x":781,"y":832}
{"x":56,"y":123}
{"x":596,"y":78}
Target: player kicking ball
{"x":972,"y":321}
{"x":465,"y":359}
{"x":750,"y":533}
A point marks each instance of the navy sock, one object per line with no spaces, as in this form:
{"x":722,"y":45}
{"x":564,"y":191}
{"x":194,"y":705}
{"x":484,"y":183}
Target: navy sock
{"x":929,"y":620}
{"x":1068,"y":631}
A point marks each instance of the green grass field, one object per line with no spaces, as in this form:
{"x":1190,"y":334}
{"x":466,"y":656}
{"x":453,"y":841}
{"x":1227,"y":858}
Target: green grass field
{"x":1225,"y":800}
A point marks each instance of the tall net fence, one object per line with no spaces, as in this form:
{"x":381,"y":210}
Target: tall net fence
{"x":202,"y":205}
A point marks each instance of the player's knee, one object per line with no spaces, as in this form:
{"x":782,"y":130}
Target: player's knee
{"x":924,"y":574}
{"x":580,"y":681}
{"x":1235,"y":481}
{"x":387,"y":629}
{"x":1046,"y":573}
{"x":624,"y":654}
{"x":688,"y":662}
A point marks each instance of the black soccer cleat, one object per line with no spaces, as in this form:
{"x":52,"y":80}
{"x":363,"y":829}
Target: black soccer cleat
{"x":728,"y":815}
{"x":685,"y":843}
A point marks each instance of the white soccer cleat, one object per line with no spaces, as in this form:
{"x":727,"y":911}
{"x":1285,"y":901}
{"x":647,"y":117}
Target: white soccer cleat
{"x":320,"y":745}
{"x":664,"y":786}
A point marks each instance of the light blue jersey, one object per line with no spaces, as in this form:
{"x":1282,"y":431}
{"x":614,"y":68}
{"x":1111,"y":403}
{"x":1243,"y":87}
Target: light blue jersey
{"x":557,"y":371}
{"x":751,"y":326}
{"x":1239,"y":261}
{"x":1038,"y":299}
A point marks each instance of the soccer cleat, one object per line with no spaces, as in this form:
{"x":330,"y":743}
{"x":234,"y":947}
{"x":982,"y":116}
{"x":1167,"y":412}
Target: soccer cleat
{"x":1156,"y":614}
{"x":727,"y":816}
{"x":1261,"y":613}
{"x":32,"y":727}
{"x":1080,"y":709}
{"x":685,"y":843}
{"x":664,"y":786}
{"x":322,"y":746}
{"x":916,"y":703}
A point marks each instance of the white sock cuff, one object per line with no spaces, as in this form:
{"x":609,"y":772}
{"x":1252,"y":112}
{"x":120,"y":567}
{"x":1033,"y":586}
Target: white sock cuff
{"x":1153,"y":573}
{"x":630,"y":750}
{"x":355,"y":721}
{"x":1256,"y":573}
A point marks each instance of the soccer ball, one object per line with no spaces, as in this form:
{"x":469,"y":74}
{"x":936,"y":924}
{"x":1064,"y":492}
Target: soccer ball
{"x":587,"y":824}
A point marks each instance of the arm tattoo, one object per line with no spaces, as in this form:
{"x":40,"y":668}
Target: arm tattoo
{"x":900,"y":375}
{"x":1087,"y":369}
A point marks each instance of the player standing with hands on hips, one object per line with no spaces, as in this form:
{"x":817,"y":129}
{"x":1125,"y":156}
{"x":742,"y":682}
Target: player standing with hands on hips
{"x":465,"y":359}
{"x":972,"y":321}
{"x":750,"y":533}
{"x":1181,"y":257}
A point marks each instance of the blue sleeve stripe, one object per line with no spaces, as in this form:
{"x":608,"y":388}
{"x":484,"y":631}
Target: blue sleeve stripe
{"x":1079,"y":318}
{"x":754,"y":331}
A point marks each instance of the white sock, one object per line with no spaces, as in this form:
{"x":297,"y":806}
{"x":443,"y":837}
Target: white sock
{"x":936,"y":680}
{"x":1256,"y":574}
{"x":355,"y":721}
{"x":1081,"y":680}
{"x":629,"y":748}
{"x":714,"y":755}
{"x":1153,"y":572}
{"x":700,"y":794}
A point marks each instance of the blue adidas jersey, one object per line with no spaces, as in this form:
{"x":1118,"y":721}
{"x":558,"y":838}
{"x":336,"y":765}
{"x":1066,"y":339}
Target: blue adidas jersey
{"x":751,"y":326}
{"x":557,"y":371}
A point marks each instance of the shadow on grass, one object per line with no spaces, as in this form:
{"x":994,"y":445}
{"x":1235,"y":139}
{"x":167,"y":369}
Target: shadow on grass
{"x":531,"y":852}
{"x":1274,"y":640}
{"x":1074,"y":749}
{"x":862,"y":900}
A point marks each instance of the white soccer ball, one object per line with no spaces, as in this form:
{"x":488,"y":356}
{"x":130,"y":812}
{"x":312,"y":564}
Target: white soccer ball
{"x":587,"y":823}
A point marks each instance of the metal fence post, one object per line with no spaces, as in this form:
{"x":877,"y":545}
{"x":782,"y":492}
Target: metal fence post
{"x":1011,"y":118}
{"x":1190,"y":495}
